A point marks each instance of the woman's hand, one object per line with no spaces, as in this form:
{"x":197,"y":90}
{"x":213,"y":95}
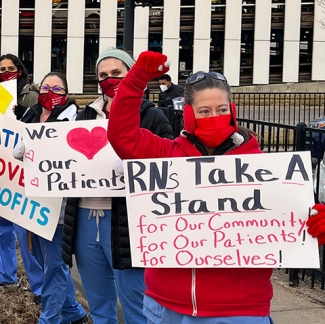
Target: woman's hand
{"x":19,"y":151}
{"x":154,"y":63}
{"x":316,"y":223}
{"x":19,"y":111}
{"x":118,"y":166}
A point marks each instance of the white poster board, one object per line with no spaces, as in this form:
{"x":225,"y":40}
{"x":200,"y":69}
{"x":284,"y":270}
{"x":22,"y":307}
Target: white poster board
{"x":39,"y":215}
{"x":71,"y":159}
{"x":221,"y":211}
{"x":8,"y":97}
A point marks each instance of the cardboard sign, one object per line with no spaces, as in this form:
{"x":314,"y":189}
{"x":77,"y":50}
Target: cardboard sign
{"x":221,"y":211}
{"x":8,"y":97}
{"x":78,"y":161}
{"x":39,"y":215}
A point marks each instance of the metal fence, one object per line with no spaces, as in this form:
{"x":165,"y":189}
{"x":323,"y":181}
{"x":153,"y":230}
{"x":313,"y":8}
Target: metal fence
{"x":285,"y":108}
{"x":280,"y":122}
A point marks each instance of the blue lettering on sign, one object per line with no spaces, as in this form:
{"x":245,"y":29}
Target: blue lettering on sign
{"x":24,"y":205}
{"x":9,"y":134}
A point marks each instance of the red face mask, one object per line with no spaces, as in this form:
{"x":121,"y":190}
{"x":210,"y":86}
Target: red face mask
{"x":110,"y":85}
{"x":49,"y":100}
{"x":6,"y":76}
{"x":213,"y":131}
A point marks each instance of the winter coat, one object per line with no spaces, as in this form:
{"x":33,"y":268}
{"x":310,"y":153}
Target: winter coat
{"x":28,"y":97}
{"x":203,"y":292}
{"x":174,"y":91}
{"x":152,"y":119}
{"x":66,"y":112}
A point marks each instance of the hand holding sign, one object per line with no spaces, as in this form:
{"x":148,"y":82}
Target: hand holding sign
{"x":316,"y":223}
{"x":19,"y":151}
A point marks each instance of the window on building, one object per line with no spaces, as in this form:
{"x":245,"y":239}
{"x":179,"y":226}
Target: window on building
{"x":276,"y":41}
{"x":26,"y":16}
{"x":247,"y":42}
{"x":92,"y":14}
{"x":186,"y":40}
{"x":91,"y":54}
{"x":306,"y":41}
{"x":26,"y":34}
{"x":59,"y":54}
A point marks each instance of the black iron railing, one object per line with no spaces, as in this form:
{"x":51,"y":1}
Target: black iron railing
{"x":276,"y":107}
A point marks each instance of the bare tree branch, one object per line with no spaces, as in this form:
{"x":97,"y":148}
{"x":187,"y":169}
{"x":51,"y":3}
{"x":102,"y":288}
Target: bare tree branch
{"x":321,"y":3}
{"x":322,"y":23}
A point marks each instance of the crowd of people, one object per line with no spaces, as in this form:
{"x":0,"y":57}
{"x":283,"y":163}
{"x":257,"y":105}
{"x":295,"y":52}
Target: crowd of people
{"x":95,"y":229}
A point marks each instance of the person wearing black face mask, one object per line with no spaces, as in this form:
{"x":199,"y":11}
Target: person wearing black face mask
{"x":11,"y":68}
{"x":101,"y":240}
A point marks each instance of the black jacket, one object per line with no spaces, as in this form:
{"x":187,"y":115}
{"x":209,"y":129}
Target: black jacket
{"x":174,"y":91}
{"x":152,"y":119}
{"x":33,"y":114}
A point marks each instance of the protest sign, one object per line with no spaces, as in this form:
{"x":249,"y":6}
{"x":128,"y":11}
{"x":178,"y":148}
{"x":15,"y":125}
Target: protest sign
{"x":221,"y":211}
{"x":78,"y":160}
{"x":39,"y":215}
{"x":8,"y":97}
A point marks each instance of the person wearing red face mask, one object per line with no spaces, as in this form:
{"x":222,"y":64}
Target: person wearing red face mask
{"x":200,"y":295}
{"x":101,"y":241}
{"x":11,"y":68}
{"x":58,"y":292}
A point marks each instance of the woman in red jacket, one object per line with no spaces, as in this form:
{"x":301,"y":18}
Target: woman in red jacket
{"x":183,"y":295}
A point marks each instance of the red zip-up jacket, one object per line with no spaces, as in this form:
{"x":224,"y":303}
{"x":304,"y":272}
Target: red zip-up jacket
{"x":209,"y":292}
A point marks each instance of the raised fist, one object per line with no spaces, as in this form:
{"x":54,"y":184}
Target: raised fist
{"x":316,"y":223}
{"x":155,"y":64}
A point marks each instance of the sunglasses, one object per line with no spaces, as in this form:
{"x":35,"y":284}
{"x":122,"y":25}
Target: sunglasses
{"x":199,"y":76}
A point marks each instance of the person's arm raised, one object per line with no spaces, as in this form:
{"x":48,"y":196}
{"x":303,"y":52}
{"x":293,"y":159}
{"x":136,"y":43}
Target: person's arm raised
{"x":124,"y":132}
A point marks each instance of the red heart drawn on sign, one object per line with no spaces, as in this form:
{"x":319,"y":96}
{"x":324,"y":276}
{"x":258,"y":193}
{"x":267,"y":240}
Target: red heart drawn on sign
{"x":34,"y":182}
{"x":30,"y":155}
{"x":87,"y":143}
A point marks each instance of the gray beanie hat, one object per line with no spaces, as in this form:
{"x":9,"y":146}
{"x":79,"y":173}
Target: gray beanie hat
{"x":116,"y":53}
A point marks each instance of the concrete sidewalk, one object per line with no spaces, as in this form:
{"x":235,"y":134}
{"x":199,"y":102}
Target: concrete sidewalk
{"x":300,"y":305}
{"x":290,"y":307}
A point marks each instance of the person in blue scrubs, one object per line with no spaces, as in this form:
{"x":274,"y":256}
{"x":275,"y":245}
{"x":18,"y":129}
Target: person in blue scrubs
{"x":8,"y":257}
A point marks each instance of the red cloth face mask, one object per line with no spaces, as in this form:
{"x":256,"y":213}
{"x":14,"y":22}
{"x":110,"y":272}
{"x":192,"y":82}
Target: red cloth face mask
{"x":212,"y":131}
{"x":50,"y":99}
{"x":110,"y":85}
{"x":6,"y":76}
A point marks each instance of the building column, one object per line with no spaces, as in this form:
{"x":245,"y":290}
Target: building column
{"x":76,"y":45}
{"x":291,"y":41}
{"x":202,"y":36}
{"x":107,"y":26}
{"x":42,"y":39}
{"x":262,"y":35}
{"x":141,"y":30}
{"x":9,"y":26}
{"x":318,"y":66}
{"x":231,"y":64}
{"x":171,"y":29}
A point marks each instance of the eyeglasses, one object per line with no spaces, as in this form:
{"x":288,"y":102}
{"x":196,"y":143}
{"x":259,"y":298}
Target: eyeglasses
{"x":199,"y":76}
{"x":55,"y":89}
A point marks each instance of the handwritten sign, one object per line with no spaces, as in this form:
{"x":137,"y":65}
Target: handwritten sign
{"x":39,"y":215}
{"x":8,"y":97}
{"x":78,"y":160}
{"x":221,"y":211}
